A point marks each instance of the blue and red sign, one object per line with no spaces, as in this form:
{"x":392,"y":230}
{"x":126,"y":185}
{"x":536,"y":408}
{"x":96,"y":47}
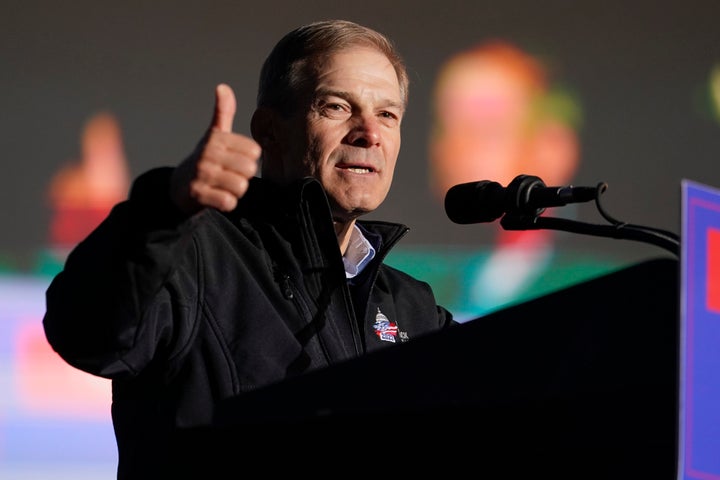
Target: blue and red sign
{"x":699,"y":432}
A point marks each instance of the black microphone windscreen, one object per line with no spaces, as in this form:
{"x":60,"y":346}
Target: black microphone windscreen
{"x":475,"y":202}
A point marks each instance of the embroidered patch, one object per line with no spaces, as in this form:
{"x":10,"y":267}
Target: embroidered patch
{"x":385,"y":329}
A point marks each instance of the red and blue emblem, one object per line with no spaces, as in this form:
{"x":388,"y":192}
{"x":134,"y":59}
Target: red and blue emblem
{"x":386,"y":330}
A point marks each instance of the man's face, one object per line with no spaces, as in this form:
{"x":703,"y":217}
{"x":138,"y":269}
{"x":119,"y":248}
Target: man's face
{"x":483,"y":107}
{"x":347,"y":133}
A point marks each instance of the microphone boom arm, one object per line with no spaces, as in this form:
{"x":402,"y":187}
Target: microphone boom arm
{"x":619,"y":230}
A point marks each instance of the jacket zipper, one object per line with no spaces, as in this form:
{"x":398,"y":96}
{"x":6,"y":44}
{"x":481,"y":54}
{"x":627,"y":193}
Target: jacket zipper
{"x":291,"y":292}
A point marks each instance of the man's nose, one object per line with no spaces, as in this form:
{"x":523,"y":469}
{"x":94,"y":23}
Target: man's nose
{"x":365,"y":132}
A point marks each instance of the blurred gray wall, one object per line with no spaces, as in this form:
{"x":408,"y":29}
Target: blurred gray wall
{"x":640,"y":68}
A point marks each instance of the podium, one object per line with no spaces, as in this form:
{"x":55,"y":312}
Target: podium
{"x":581,"y":383}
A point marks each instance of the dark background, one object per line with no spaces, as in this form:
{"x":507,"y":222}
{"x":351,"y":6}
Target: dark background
{"x":640,"y":68}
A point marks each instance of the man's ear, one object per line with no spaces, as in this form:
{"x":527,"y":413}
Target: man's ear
{"x":262,"y":126}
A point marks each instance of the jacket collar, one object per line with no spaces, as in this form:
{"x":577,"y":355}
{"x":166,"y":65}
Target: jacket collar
{"x":304,"y":203}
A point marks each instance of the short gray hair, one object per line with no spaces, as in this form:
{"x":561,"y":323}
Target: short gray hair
{"x":286,"y":68}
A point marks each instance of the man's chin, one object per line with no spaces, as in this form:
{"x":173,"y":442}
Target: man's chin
{"x":348,"y":215}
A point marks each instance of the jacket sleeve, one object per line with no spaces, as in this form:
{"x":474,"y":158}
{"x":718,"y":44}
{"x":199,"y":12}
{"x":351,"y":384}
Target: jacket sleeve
{"x":108,"y":311}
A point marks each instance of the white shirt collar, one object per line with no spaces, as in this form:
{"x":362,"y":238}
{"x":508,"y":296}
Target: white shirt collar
{"x":358,"y":254}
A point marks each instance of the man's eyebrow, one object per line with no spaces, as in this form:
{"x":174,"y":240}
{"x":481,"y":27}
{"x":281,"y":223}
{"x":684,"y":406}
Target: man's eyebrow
{"x":395,"y":104}
{"x":328,"y":92}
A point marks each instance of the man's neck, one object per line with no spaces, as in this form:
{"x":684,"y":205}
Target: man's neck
{"x":343,"y":231}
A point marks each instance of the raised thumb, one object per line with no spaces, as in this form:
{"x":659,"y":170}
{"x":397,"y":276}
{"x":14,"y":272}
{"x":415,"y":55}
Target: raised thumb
{"x":225,"y":106}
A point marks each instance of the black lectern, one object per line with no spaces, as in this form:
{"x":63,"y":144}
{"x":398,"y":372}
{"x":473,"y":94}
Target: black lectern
{"x":580,"y":383}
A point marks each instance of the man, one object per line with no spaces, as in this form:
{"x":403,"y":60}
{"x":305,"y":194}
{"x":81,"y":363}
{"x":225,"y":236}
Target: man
{"x":209,"y":282}
{"x":497,"y":115}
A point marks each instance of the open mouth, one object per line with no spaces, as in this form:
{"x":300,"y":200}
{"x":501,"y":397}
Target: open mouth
{"x":357,"y":168}
{"x":360,"y":169}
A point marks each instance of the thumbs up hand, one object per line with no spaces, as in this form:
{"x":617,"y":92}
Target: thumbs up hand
{"x":218,"y":172}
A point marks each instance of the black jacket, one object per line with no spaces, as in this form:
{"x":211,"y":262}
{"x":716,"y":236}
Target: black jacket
{"x":183,"y":312}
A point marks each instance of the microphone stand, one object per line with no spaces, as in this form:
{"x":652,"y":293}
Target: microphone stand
{"x":617,"y":229}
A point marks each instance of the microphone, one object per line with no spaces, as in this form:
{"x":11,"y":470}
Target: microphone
{"x":486,"y":201}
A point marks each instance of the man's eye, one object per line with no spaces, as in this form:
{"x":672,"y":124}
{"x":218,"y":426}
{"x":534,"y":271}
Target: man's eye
{"x":390,"y":118}
{"x":334,"y":109}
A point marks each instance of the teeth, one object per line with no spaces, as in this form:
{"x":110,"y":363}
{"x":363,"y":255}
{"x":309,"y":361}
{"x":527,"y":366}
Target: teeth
{"x":359,"y":170}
